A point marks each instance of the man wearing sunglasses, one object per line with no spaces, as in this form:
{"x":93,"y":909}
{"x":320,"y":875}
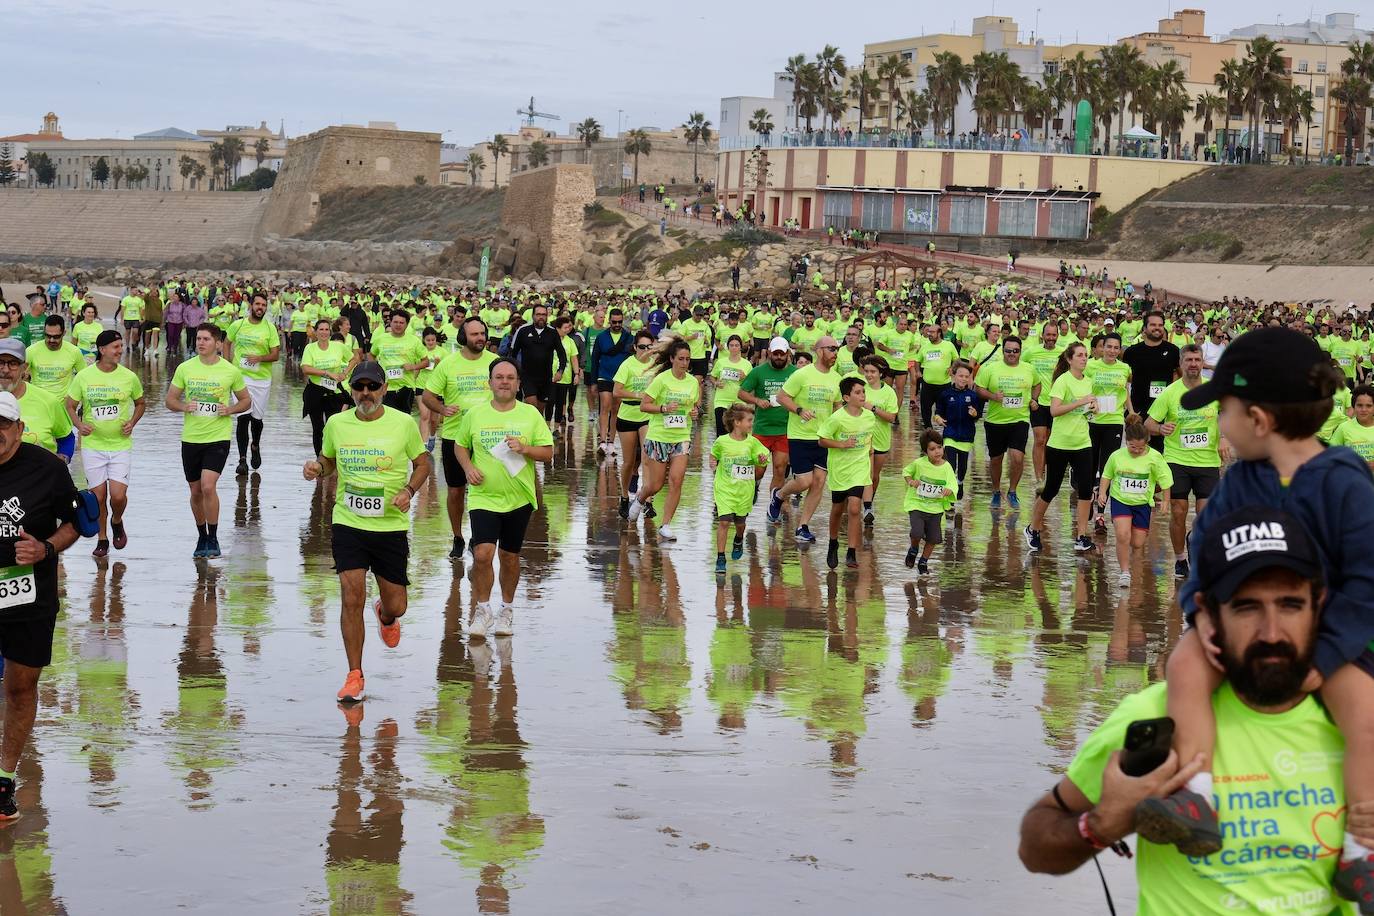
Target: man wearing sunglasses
{"x":381,"y":462}
{"x":54,"y":362}
{"x":37,"y":506}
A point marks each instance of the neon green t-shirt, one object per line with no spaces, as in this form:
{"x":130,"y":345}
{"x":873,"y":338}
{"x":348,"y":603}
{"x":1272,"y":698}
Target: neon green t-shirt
{"x":44,"y":416}
{"x":1134,"y":479}
{"x":107,"y":403}
{"x":1034,"y":354}
{"x":813,"y":390}
{"x":1353,"y":435}
{"x":849,"y":467}
{"x":928,"y":495}
{"x":204,"y":386}
{"x":463,"y":382}
{"x":1015,"y":384}
{"x":373,"y":459}
{"x":883,"y":398}
{"x":251,"y":339}
{"x":1070,"y":430}
{"x":1279,"y":796}
{"x":935,"y":360}
{"x":1340,"y":403}
{"x":1193,"y":443}
{"x":131,"y":307}
{"x":901,"y":347}
{"x":1110,"y":381}
{"x":85,"y":333}
{"x":635,"y":376}
{"x":697,"y":334}
{"x":483,"y":428}
{"x":333,"y":358}
{"x":728,"y":374}
{"x":677,"y":397}
{"x":53,"y":370}
{"x":394,"y":353}
{"x":733,"y":485}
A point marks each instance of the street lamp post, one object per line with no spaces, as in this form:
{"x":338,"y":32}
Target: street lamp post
{"x":159,"y":174}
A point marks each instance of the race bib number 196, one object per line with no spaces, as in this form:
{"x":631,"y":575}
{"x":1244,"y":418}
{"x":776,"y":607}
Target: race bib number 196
{"x":394,"y":372}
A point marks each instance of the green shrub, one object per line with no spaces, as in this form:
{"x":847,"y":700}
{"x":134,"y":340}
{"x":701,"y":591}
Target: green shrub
{"x":1167,"y":249}
{"x":750,"y":235}
{"x":696,"y":253}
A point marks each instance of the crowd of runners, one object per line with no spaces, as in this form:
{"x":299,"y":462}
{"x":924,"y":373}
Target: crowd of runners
{"x":780,"y":401}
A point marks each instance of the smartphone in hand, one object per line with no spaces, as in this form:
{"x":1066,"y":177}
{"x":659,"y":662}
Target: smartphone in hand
{"x":1147,"y":745}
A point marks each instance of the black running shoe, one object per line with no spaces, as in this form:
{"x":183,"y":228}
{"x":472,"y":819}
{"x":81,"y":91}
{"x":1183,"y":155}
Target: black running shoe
{"x":255,"y":457}
{"x":910,"y":559}
{"x":1184,"y":820}
{"x":923,"y":566}
{"x":649,"y":510}
{"x":242,"y":469}
{"x":1180,"y":569}
{"x":1032,"y":538}
{"x":832,"y":555}
{"x":8,"y":810}
{"x":459,"y":545}
{"x":1354,"y":880}
{"x":850,"y":560}
{"x":624,"y":508}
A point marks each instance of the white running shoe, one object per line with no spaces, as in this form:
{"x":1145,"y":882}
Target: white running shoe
{"x":1124,"y":580}
{"x":482,"y":622}
{"x":636,"y":508}
{"x":505,"y":625}
{"x":666,"y":533}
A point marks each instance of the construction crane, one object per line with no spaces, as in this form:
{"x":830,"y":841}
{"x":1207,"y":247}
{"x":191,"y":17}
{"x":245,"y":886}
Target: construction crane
{"x":529,"y":114}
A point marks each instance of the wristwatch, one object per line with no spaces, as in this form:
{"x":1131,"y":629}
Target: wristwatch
{"x":49,"y":551}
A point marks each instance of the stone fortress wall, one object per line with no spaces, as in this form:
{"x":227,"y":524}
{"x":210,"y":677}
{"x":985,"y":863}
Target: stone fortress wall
{"x":345,"y":157}
{"x":548,"y":202}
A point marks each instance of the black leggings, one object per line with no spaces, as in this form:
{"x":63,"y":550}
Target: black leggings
{"x":319,"y":406}
{"x":561,"y":406}
{"x":1106,"y":439}
{"x":1080,"y":465}
{"x":959,"y":458}
{"x":929,"y":393}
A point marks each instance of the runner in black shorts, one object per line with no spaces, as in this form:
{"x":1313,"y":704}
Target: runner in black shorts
{"x":37,"y":508}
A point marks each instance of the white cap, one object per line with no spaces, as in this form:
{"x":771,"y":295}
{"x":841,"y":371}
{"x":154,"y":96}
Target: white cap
{"x":9,"y":407}
{"x":779,"y":343}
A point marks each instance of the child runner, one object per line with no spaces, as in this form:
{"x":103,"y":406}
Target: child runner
{"x":957,"y":409}
{"x":738,"y":460}
{"x":1129,"y":482}
{"x":930,"y":483}
{"x":847,"y":435}
{"x":882,"y":401}
{"x":1274,"y":390}
{"x":1358,"y":432}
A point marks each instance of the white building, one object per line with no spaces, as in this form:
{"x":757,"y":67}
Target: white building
{"x":737,"y":111}
{"x":1334,"y":29}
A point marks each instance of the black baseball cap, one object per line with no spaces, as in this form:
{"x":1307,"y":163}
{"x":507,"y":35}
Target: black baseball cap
{"x":368,"y":370}
{"x":1270,"y":365}
{"x":1250,"y":540}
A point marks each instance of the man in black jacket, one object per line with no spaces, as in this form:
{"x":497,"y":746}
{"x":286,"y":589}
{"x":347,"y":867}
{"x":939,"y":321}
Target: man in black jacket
{"x":535,"y":347}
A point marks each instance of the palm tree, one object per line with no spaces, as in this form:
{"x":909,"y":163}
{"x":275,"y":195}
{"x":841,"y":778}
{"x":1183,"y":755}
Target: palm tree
{"x":1122,"y":69}
{"x":835,"y":103}
{"x":1171,"y":113}
{"x":947,"y":78}
{"x":637,"y":145}
{"x":811,"y":97}
{"x":198,"y":173}
{"x":998,"y":81}
{"x":1230,"y":79}
{"x":589,"y":131}
{"x":233,"y":154}
{"x":831,"y":67}
{"x":117,"y":174}
{"x":1039,"y":104}
{"x":1296,"y":107}
{"x":1264,"y":73}
{"x":475,"y":166}
{"x":793,"y":73}
{"x":1104,"y":103}
{"x":1360,"y":64}
{"x":761,"y":123}
{"x":539,"y":154}
{"x":1354,"y":93}
{"x":864,"y":90}
{"x":1207,"y":106}
{"x":498,"y":147}
{"x":1159,"y":83}
{"x":893,"y":70}
{"x":260,"y":151}
{"x":914,"y":108}
{"x":698,"y":130}
{"x":186,"y":165}
{"x":1080,"y":75}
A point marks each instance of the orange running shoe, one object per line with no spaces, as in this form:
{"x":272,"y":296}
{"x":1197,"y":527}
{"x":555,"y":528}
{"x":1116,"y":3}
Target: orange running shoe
{"x":352,"y":690}
{"x":390,"y":632}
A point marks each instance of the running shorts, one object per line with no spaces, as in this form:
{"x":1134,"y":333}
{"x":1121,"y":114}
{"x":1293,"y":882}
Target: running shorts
{"x":386,"y":553}
{"x":504,"y":529}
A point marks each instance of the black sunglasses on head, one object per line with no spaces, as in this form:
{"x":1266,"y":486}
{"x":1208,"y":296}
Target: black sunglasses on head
{"x":366,"y":386}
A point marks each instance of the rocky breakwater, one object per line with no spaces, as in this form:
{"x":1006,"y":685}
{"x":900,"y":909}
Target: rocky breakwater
{"x":281,"y":254}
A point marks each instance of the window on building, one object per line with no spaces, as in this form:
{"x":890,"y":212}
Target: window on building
{"x":1051,"y":67}
{"x":1302,"y":66}
{"x":1321,"y":66}
{"x":919,"y":212}
{"x":724,"y":116}
{"x":906,"y":55}
{"x":1016,"y":217}
{"x":968,"y":215}
{"x":1069,"y":219}
{"x":1319,"y":92}
{"x":877,"y":212}
{"x":838,"y":206}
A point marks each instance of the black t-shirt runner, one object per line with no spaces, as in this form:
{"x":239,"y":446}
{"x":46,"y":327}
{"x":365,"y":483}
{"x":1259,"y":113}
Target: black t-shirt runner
{"x":37,"y":495}
{"x":1152,"y":370}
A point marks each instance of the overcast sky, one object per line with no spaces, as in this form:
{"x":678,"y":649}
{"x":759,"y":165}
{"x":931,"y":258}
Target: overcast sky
{"x":122,"y":67}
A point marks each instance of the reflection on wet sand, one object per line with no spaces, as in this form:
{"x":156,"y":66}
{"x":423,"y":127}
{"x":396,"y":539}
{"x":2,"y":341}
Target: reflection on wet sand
{"x":26,"y":863}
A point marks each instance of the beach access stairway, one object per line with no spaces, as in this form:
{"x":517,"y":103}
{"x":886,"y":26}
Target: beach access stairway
{"x":127,"y":227}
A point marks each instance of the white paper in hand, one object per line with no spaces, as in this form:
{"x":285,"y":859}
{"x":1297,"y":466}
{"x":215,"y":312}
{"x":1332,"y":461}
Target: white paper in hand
{"x":502,"y":452}
{"x":1106,"y":403}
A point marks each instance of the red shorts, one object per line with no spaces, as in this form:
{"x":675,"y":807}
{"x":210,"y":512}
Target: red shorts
{"x":774,"y":444}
